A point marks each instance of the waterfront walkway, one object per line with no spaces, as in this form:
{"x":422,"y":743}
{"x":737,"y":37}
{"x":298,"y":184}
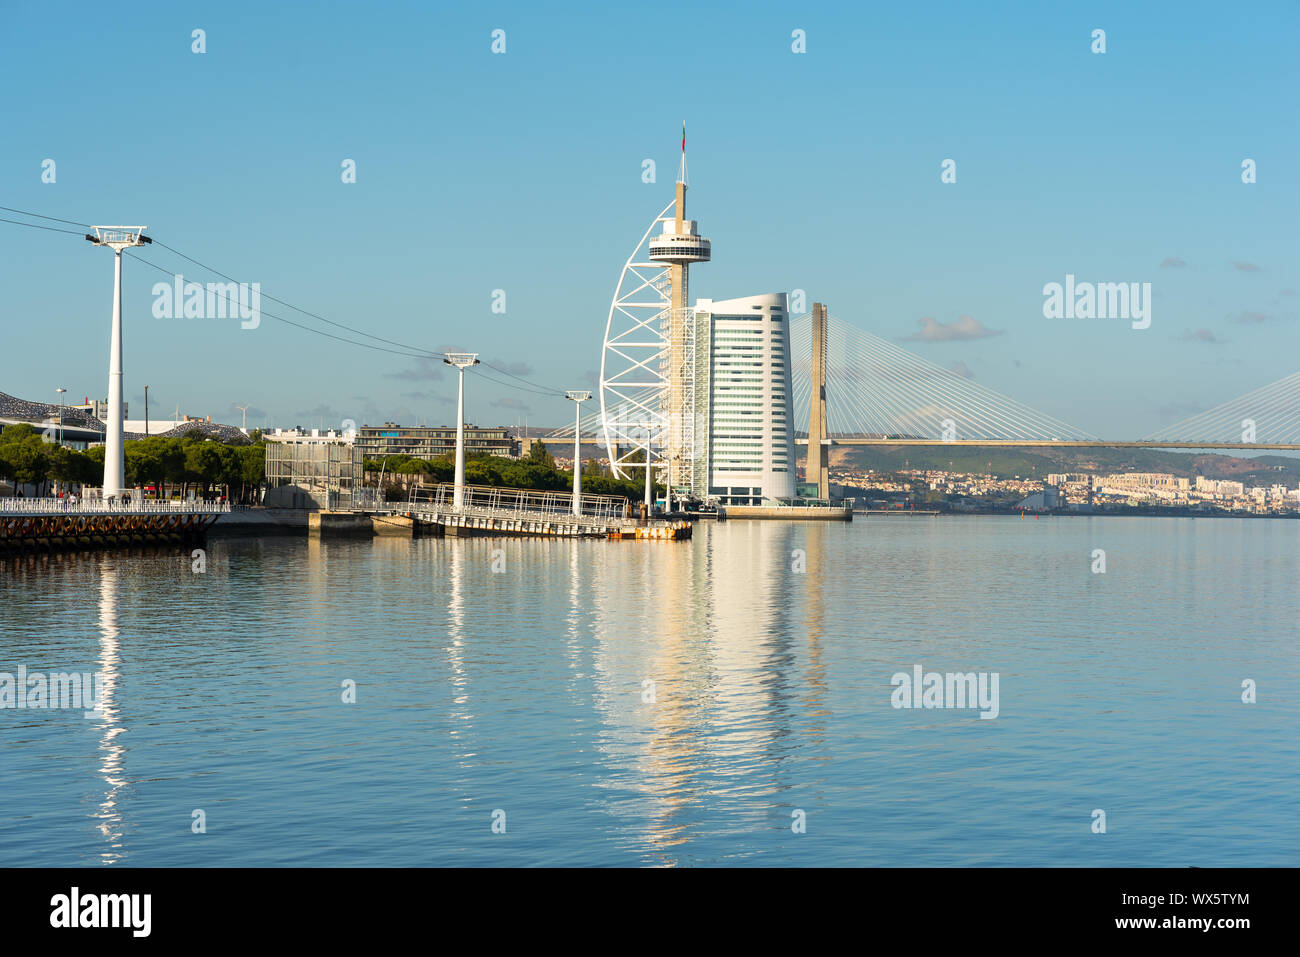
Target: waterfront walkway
{"x":59,"y":524}
{"x":487,"y":510}
{"x":94,"y":506}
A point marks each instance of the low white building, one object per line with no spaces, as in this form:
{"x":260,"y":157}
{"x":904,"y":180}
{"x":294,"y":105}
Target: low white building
{"x":314,"y":437}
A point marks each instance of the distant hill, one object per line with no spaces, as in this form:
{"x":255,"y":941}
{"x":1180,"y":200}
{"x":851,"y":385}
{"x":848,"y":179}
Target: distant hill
{"x":1039,"y":462}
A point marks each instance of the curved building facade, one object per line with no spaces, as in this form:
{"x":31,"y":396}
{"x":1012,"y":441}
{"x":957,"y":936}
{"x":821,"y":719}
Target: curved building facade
{"x":749,"y":401}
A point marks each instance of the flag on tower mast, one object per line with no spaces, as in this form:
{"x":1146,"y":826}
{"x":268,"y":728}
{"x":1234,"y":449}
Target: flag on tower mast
{"x":681,"y":175}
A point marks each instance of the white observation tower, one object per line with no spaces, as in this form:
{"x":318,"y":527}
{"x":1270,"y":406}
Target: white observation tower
{"x":647,"y":379}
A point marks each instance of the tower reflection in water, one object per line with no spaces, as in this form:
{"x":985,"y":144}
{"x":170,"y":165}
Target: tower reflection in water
{"x":738,"y":681}
{"x":109,"y":818}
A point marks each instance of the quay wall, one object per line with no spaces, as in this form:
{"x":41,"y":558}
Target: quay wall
{"x":21,"y":534}
{"x":243,"y":521}
{"x":340,"y":523}
{"x":790,"y":513}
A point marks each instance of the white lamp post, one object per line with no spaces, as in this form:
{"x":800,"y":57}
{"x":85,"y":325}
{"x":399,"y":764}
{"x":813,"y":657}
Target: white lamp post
{"x":116,"y":238}
{"x":461,"y":360}
{"x":649,"y":495}
{"x":578,"y":397}
{"x":60,"y":391}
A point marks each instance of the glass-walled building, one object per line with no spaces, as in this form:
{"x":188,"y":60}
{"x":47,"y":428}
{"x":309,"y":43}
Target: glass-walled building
{"x":326,"y":472}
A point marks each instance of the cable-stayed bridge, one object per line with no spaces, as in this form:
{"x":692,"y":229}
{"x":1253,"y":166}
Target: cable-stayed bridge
{"x":878,"y":393}
{"x":877,"y":390}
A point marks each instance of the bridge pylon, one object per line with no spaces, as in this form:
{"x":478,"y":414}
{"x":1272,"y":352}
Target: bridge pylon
{"x":817,"y":468}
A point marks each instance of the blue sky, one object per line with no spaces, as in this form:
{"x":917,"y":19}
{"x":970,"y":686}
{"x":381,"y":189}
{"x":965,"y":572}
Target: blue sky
{"x":522,"y":172}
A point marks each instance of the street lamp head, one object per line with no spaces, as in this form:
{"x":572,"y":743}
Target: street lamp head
{"x":578,"y":395}
{"x":461,"y":359}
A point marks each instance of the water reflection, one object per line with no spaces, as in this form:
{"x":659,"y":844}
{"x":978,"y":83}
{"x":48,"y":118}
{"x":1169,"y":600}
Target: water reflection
{"x":457,"y":642}
{"x":524,"y":689}
{"x":111,"y":823}
{"x":756,"y":664}
{"x":814,"y":545}
{"x":733,"y":680}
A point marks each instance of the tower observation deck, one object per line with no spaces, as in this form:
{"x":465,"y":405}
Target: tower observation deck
{"x":685,"y":247}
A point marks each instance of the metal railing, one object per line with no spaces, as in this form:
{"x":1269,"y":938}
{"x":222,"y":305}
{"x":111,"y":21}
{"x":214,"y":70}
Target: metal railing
{"x":62,"y":506}
{"x":371,"y":500}
{"x":486,"y":499}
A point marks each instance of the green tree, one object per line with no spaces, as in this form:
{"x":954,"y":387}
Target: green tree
{"x":482,"y":472}
{"x":540,"y":455}
{"x":203,"y":462}
{"x":29,"y":460}
{"x":6,"y":462}
{"x":144,"y":464}
{"x":443,"y":470}
{"x":66,"y":465}
{"x":17,"y":433}
{"x":172,"y":453}
{"x":232,"y":466}
{"x":88,"y":470}
{"x":413,"y":467}
{"x":252,"y":472}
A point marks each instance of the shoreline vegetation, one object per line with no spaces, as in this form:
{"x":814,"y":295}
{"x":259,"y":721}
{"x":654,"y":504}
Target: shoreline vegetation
{"x":173,"y":465}
{"x":176,"y":465}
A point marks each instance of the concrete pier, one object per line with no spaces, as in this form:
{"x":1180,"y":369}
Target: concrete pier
{"x":353,"y":524}
{"x":792,"y":513}
{"x":261,"y":521}
{"x":394,"y":526}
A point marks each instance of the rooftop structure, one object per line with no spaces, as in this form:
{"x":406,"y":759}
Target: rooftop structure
{"x":313,"y":437}
{"x":81,"y":427}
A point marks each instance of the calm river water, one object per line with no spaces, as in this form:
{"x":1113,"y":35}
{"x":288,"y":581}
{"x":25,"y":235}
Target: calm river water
{"x":622,"y":703}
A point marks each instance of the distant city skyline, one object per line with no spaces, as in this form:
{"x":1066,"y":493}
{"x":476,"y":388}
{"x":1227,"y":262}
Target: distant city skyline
{"x":516,"y":180}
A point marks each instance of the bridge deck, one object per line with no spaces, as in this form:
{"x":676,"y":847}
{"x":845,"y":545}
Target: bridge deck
{"x":1067,"y":444}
